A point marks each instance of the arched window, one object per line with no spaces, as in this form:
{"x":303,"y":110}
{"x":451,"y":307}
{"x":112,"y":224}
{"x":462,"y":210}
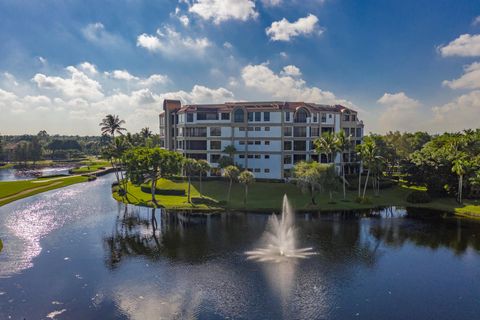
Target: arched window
{"x":301,"y":115}
{"x":239,"y":115}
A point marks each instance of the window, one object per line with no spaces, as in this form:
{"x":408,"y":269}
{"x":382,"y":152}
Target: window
{"x":266,"y":170}
{"x":250,"y":156}
{"x":214,"y":158}
{"x":353,"y":117}
{"x":241,"y":142}
{"x":301,"y":116}
{"x":250,"y":143}
{"x":287,"y":159}
{"x":225,"y":116}
{"x":189,"y":117}
{"x":266,"y":116}
{"x":267,"y":156}
{"x":300,"y":146}
{"x":287,"y":131}
{"x":196,"y":145}
{"x":258,"y":128}
{"x":324,"y":117}
{"x":314,"y":132}
{"x":287,"y":116}
{"x":258,"y":142}
{"x":267,"y":142}
{"x":242,"y":156}
{"x":250,"y":116}
{"x":347,"y":131}
{"x":359,"y":132}
{"x":239,"y":115}
{"x":287,"y":145}
{"x":299,"y":157}
{"x":300,"y":132}
{"x":196,"y":132}
{"x":258,"y":116}
{"x":250,"y":128}
{"x":267,"y":128}
{"x":215,"y":145}
{"x":329,"y":116}
{"x":257,"y":170}
{"x":241,"y":128}
{"x":315,"y":118}
{"x":346,"y":117}
{"x":207,"y":116}
{"x":257,"y":156}
{"x":215,"y":132}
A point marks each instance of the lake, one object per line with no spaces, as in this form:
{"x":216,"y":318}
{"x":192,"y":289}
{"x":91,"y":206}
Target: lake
{"x":75,"y":253}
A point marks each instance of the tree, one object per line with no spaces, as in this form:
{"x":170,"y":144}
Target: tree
{"x":246,"y":178}
{"x":150,"y":164}
{"x":111,"y":125}
{"x":35,"y":149}
{"x":230,"y":172}
{"x":329,"y":181}
{"x":230,"y":150}
{"x":326,"y":145}
{"x":459,"y":168}
{"x":190,"y":166}
{"x":368,"y":152}
{"x":146,"y":133}
{"x":224,"y":162}
{"x":308,"y":176}
{"x":203,"y":168}
{"x":342,"y":143}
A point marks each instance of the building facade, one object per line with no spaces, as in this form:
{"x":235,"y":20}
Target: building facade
{"x":269,"y":137}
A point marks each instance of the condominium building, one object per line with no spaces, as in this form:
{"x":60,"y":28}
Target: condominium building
{"x":269,"y":137}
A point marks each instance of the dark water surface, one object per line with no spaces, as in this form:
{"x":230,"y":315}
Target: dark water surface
{"x":75,"y":253}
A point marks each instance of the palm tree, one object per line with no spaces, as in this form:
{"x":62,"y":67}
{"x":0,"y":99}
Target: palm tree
{"x":343,"y":142}
{"x":230,"y":172}
{"x":326,"y":145}
{"x":203,"y":167}
{"x":146,"y":133}
{"x":368,"y":153}
{"x":460,"y":168}
{"x":111,"y":125}
{"x":246,"y":178}
{"x":230,"y":150}
{"x":190,"y":166}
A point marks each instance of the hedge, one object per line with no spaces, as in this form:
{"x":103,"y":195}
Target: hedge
{"x":163,"y":192}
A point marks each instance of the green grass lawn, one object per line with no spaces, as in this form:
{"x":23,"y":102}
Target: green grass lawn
{"x":15,"y":190}
{"x":7,"y":166}
{"x":266,"y":196}
{"x":91,"y":166}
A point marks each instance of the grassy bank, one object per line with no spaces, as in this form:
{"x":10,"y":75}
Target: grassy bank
{"x":265,"y":196}
{"x":90,"y":166}
{"x":15,"y":190}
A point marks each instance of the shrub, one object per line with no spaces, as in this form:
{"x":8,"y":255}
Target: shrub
{"x":365,"y":200}
{"x":418,"y":197}
{"x":164,"y":192}
{"x":206,"y":201}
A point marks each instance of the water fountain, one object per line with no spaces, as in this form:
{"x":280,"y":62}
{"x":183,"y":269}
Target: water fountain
{"x":280,"y":239}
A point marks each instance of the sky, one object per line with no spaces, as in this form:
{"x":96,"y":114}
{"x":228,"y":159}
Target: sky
{"x":403,"y":65}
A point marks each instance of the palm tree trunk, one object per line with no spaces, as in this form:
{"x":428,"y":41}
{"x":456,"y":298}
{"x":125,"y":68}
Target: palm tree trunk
{"x":312,"y":194}
{"x":366,"y":182}
{"x":229,"y":189}
{"x":343,"y":176}
{"x":189,"y":188}
{"x":330,"y":195}
{"x":246,"y":195}
{"x":460,"y":187}
{"x":201,"y":187}
{"x":152,"y":190}
{"x":359,"y":179}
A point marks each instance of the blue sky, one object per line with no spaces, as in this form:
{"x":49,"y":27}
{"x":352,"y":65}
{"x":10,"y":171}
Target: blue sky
{"x":407,"y":65}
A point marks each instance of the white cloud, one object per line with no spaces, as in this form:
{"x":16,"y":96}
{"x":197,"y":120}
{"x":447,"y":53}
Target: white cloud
{"x":6,"y":96}
{"x":201,"y":94}
{"x":88,"y":67}
{"x":285,"y":87}
{"x":184,"y":20}
{"x":96,"y":33}
{"x":10,"y":78}
{"x":464,"y":46}
{"x":154,"y":79}
{"x":77,"y":85}
{"x":271,"y":3}
{"x":469,"y":80}
{"x":171,"y":43}
{"x":42,"y":60}
{"x":121,"y":75}
{"x":458,"y":114}
{"x":283,"y":54}
{"x":291,"y":70}
{"x":223,"y":10}
{"x":476,"y":21}
{"x":227,"y":45}
{"x":401,"y":112}
{"x":284,"y":30}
